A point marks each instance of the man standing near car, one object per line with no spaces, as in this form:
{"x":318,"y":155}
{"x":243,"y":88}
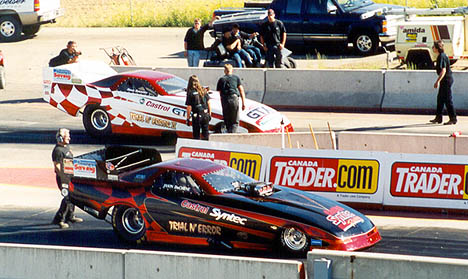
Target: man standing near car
{"x":193,"y":41}
{"x":273,"y":39}
{"x":230,"y":88}
{"x":62,"y":158}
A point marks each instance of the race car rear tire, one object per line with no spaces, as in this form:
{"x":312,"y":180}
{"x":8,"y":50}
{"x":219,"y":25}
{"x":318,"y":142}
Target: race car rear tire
{"x":2,"y":78}
{"x":128,"y":223}
{"x":10,"y":29}
{"x":294,"y":241}
{"x":96,"y":121}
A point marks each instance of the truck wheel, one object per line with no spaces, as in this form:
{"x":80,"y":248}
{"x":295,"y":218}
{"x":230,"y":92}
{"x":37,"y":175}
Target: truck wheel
{"x":30,"y":30}
{"x":294,"y":241}
{"x":96,"y":121}
{"x":2,"y":78}
{"x":10,"y":29}
{"x":365,"y":43}
{"x":129,"y":224}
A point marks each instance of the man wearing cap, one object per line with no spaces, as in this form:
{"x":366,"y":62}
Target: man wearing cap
{"x":273,"y":39}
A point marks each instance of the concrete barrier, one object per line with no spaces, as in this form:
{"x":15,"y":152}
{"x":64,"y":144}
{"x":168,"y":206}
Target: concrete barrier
{"x":361,"y":265}
{"x":303,"y":139}
{"x":253,"y":80}
{"x":56,"y":262}
{"x":143,"y":264}
{"x":412,"y":91}
{"x":320,"y":89}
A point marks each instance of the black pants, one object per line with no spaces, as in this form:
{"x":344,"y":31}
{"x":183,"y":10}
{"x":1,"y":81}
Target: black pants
{"x":273,"y":56}
{"x":201,"y":121}
{"x":445,"y":98}
{"x":230,"y":105}
{"x":66,"y":210}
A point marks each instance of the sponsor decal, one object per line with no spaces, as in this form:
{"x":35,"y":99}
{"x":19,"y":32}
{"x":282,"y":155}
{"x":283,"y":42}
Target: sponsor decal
{"x":157,"y":106}
{"x":231,"y":217}
{"x":11,"y":2}
{"x":76,"y":81}
{"x":62,"y":75}
{"x":46,"y":81}
{"x":179,"y":111}
{"x":342,"y":218}
{"x":414,"y":30}
{"x":426,"y":180}
{"x":142,"y":101}
{"x":326,"y":174}
{"x":195,"y":207}
{"x":411,"y":37}
{"x":84,"y":168}
{"x":247,"y":163}
{"x":194,"y":228}
{"x":110,"y":166}
{"x":68,"y":166}
{"x":258,"y":112}
{"x":153,"y":120}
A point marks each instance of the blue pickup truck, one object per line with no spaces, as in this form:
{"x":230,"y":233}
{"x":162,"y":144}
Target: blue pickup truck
{"x":308,"y":22}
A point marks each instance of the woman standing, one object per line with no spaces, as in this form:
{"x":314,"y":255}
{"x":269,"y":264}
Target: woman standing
{"x":198,"y":107}
{"x":444,"y":83}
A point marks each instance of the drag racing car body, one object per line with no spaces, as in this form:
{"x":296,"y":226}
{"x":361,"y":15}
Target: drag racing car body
{"x":140,"y":102}
{"x":199,"y":202}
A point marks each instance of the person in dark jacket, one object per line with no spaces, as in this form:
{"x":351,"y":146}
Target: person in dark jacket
{"x":273,"y":39}
{"x":193,"y":41}
{"x":245,"y":38}
{"x":198,"y":108}
{"x":67,"y":55}
{"x":444,"y":82}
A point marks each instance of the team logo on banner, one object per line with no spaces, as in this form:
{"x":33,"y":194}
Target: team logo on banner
{"x":425,"y":180}
{"x":247,"y":163}
{"x":326,"y":174}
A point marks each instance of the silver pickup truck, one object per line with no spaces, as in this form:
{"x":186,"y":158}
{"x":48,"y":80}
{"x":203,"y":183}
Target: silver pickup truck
{"x":26,"y":16}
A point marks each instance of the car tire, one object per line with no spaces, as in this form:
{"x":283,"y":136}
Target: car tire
{"x":128,"y":224}
{"x":10,"y":29}
{"x":365,"y":43}
{"x":294,"y":241}
{"x":2,"y":78}
{"x":30,"y":30}
{"x":96,"y":121}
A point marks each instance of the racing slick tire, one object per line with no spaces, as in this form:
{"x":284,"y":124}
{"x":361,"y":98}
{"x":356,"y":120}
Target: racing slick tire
{"x":30,"y":30}
{"x":2,"y":78}
{"x":364,"y":43}
{"x":294,"y":241}
{"x":128,"y":224}
{"x":96,"y":121}
{"x":10,"y":29}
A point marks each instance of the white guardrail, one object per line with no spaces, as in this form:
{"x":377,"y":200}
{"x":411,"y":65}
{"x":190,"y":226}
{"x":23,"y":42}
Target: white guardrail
{"x":379,"y":178}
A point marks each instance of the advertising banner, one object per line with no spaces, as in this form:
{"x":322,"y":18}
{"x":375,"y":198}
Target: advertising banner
{"x":348,"y":176}
{"x":438,"y":181}
{"x":247,"y":159}
{"x":85,"y":168}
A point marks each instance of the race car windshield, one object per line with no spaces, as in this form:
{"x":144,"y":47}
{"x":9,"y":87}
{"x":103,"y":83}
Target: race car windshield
{"x":349,"y":5}
{"x":173,"y":85}
{"x":226,"y":179}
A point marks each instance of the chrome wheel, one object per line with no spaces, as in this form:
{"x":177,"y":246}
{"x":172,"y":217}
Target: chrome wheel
{"x":7,"y":29}
{"x":132,"y":221}
{"x":99,"y":119}
{"x":364,"y":43}
{"x":294,"y":239}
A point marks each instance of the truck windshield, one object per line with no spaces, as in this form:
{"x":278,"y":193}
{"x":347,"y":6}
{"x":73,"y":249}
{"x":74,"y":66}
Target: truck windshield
{"x":349,"y":5}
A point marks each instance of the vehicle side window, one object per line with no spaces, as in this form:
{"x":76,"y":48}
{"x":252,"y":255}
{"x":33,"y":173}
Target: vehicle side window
{"x":319,"y":7}
{"x":176,"y":183}
{"x":137,"y":86}
{"x":293,"y":7}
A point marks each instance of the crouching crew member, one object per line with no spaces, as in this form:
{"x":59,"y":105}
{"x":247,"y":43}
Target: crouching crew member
{"x":198,"y":107}
{"x":62,"y":157}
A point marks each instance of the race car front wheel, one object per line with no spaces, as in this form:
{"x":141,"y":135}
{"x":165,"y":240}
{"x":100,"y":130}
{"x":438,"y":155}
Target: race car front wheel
{"x":129,"y":224}
{"x":96,"y":121}
{"x":294,"y":241}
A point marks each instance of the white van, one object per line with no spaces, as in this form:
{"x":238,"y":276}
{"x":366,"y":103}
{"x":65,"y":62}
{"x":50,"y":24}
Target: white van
{"x":26,"y":16}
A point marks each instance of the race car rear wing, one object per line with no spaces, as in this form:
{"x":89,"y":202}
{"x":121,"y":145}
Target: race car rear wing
{"x":109,"y":162}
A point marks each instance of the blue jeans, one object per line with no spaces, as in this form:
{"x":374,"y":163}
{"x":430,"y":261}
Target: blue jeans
{"x":193,"y":57}
{"x":273,"y":56}
{"x":240,"y":55}
{"x":254,"y":53}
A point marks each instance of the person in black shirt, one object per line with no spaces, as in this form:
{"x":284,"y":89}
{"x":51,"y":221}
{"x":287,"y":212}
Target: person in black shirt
{"x":273,"y":38}
{"x":67,"y":55}
{"x":444,"y":82}
{"x":193,"y":41}
{"x":234,"y":47}
{"x":62,"y":158}
{"x":198,"y":107}
{"x":244,"y":38}
{"x":230,"y":88}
